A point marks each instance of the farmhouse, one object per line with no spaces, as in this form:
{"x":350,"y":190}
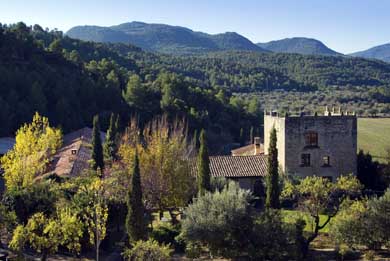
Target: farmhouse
{"x":74,"y":156}
{"x":307,"y":145}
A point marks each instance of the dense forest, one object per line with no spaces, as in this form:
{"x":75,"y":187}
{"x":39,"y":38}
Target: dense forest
{"x":71,"y":80}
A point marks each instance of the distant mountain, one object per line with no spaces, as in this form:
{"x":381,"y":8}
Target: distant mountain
{"x":298,"y":45}
{"x":164,"y":38}
{"x":380,"y":52}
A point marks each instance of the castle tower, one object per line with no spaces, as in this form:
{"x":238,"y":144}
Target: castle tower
{"x":314,"y":145}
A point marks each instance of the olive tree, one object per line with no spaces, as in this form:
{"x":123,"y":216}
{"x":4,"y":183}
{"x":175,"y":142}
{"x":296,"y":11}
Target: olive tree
{"x":319,"y":196}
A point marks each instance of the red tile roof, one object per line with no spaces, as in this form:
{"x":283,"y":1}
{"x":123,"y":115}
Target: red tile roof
{"x":74,"y":156}
{"x":236,"y":166}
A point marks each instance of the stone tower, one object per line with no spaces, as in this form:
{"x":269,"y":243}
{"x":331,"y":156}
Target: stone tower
{"x":314,"y":145}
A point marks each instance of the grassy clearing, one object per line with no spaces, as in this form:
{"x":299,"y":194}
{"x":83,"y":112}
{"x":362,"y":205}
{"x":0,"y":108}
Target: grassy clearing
{"x":290,"y":216}
{"x":374,"y":136}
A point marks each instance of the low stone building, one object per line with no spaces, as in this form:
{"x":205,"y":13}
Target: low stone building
{"x":248,"y":171}
{"x":314,"y":145}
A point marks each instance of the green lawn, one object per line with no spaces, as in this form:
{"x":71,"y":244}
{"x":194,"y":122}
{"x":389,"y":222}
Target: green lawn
{"x":290,"y":216}
{"x":374,"y":136}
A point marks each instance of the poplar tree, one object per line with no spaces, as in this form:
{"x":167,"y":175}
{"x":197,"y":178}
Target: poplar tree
{"x":203,"y":164}
{"x":97,"y":149}
{"x":272,"y":179}
{"x":109,"y":146}
{"x":135,"y":219}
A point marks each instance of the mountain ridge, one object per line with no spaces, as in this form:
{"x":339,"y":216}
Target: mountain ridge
{"x":164,"y":38}
{"x":300,"y":45}
{"x":380,"y":52}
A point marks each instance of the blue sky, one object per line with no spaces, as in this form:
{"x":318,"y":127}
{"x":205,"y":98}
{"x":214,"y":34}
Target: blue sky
{"x":344,"y":25}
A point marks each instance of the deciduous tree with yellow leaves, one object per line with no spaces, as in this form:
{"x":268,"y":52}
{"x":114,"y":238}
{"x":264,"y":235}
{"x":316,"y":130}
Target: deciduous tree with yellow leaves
{"x":167,"y":183}
{"x":36,"y":143}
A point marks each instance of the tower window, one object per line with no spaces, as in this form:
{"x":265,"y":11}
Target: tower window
{"x":311,"y":139}
{"x":326,"y":161}
{"x":305,"y":160}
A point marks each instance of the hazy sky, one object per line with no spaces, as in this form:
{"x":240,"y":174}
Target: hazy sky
{"x":344,"y":25}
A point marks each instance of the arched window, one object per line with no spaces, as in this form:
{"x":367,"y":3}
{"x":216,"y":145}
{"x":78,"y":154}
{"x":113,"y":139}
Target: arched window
{"x":311,"y":139}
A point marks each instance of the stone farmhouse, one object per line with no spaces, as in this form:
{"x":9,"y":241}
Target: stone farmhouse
{"x":75,"y":154}
{"x":307,"y":145}
{"x":71,"y":159}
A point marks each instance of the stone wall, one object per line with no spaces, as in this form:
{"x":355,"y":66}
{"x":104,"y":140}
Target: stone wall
{"x":279,"y":124}
{"x":337,"y":139}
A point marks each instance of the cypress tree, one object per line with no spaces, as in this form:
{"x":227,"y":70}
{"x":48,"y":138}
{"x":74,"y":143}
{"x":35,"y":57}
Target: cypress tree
{"x":272,"y":179}
{"x":251,"y":134}
{"x":203,"y":164}
{"x":135,"y":219}
{"x":97,"y":149}
{"x":117,"y":124}
{"x":109,"y":146}
{"x":242,"y":137}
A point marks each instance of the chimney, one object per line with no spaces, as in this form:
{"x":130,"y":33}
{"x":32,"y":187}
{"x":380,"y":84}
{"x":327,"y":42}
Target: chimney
{"x":257,"y":143}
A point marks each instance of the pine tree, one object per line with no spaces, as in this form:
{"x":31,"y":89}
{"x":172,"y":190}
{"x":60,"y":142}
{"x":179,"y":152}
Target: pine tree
{"x":272,"y":180}
{"x":203,"y":164}
{"x":97,"y":149}
{"x":109,"y":146}
{"x":135,"y":219}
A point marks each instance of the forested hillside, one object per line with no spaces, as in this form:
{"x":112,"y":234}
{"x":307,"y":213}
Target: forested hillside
{"x":71,"y":80}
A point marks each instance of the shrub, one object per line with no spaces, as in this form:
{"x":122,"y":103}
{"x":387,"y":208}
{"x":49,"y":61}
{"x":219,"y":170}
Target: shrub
{"x":36,"y":198}
{"x":364,"y":223}
{"x":220,"y":220}
{"x":369,"y":255}
{"x":269,"y":238}
{"x":148,"y":250}
{"x":193,"y":251}
{"x":168,"y":234}
{"x":218,"y":183}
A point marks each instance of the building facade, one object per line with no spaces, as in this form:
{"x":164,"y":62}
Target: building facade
{"x":314,"y":145}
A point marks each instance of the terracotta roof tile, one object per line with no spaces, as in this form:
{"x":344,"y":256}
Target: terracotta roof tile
{"x":74,"y":156}
{"x":236,"y":166}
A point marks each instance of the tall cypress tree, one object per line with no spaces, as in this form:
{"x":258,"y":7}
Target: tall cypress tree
{"x":272,"y":179}
{"x":135,"y":219}
{"x":251,"y":135}
{"x":109,"y":146}
{"x":97,"y":149}
{"x":203,"y":164}
{"x":242,"y":137}
{"x":117,"y":124}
